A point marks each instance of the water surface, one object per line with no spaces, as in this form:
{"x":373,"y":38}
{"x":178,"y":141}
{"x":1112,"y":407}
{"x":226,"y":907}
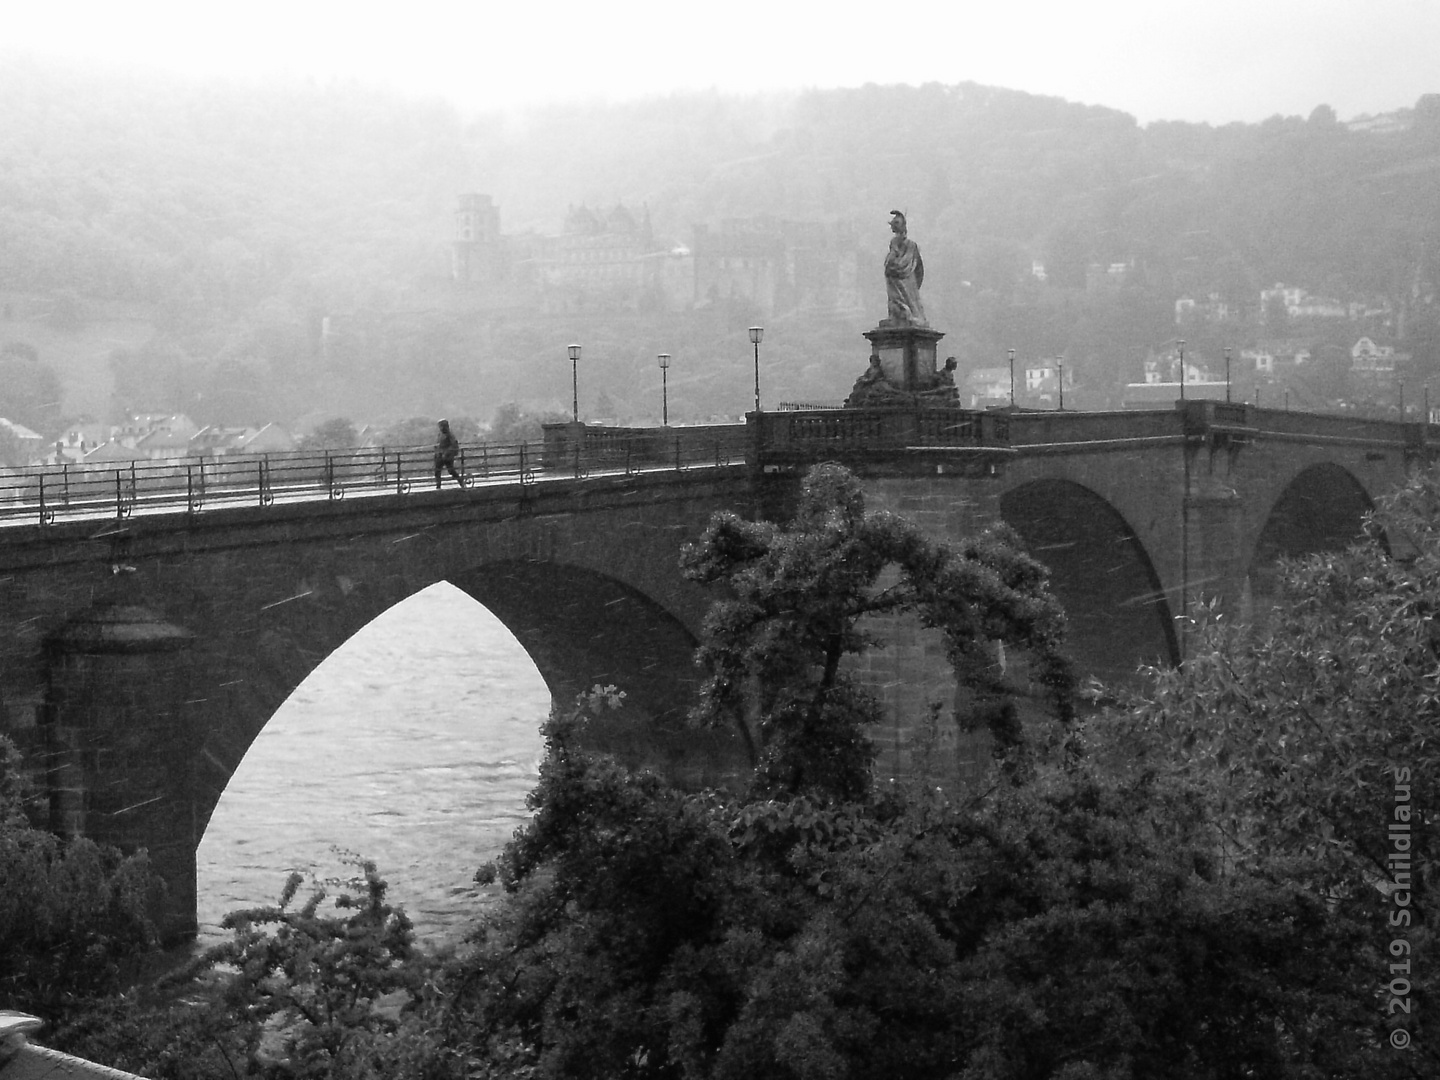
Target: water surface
{"x":414,"y":745}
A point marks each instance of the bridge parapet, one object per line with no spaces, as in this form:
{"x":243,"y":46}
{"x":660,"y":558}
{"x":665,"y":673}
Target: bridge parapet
{"x":1329,"y":428}
{"x":875,"y":435}
{"x":1065,"y":430}
{"x":586,"y":446}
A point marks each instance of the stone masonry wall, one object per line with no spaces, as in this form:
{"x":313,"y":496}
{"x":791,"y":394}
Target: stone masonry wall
{"x":909,"y":671}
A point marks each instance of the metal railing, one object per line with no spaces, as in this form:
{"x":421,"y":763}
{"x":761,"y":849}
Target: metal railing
{"x":47,"y":493}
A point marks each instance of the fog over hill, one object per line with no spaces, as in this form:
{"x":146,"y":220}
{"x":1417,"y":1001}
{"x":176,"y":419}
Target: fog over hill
{"x":172,"y":244}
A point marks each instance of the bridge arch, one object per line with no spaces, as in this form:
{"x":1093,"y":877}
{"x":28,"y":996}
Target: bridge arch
{"x":408,"y":692}
{"x":1321,"y":509}
{"x":579,"y":625}
{"x":255,"y":619}
{"x":1100,"y":571}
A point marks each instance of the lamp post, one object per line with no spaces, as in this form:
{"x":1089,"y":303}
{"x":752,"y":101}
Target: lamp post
{"x":1182,"y":369}
{"x":756,"y":333}
{"x":1402,"y":401}
{"x":574,"y":351}
{"x":1060,"y":379}
{"x":664,"y":389}
{"x":1012,"y":378}
{"x":1227,"y":374}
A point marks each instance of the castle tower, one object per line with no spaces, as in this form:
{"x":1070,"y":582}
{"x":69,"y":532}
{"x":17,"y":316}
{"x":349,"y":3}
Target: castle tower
{"x":477,"y":240}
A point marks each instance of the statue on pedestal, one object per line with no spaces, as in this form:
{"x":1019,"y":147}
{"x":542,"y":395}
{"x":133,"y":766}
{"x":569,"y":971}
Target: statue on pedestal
{"x":902,"y":370}
{"x":904,"y":274}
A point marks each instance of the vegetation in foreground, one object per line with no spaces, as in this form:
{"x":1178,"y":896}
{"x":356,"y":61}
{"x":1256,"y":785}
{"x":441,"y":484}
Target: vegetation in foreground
{"x":1192,"y":884}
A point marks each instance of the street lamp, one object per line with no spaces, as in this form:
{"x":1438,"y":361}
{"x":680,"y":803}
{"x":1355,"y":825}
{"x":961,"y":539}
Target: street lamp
{"x":756,"y":333}
{"x":1012,"y":378}
{"x":1402,"y":401}
{"x":664,"y":389}
{"x":574,"y":351}
{"x":1182,"y":369}
{"x":1060,"y":366}
{"x":1227,"y":374}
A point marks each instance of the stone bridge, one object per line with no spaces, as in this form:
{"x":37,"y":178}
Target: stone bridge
{"x":143,"y":654}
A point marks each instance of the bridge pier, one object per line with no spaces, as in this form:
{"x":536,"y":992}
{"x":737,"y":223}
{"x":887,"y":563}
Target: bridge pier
{"x":1214,"y":558}
{"x":934,"y":732}
{"x":118,"y":745}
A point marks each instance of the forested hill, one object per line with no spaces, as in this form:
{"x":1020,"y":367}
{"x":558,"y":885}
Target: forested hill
{"x":226,"y":217}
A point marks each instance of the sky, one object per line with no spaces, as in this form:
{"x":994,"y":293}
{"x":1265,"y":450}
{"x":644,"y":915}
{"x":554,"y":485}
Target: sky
{"x":1214,"y":61}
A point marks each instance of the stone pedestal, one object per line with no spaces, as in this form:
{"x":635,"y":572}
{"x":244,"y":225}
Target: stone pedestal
{"x":907,"y":354}
{"x":903,"y":372}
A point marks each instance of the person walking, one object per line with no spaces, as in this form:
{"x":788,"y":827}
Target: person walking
{"x":446,"y":447}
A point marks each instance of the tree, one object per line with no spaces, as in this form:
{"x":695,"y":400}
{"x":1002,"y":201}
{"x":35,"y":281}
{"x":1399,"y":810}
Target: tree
{"x":73,"y":914}
{"x":1065,"y":922}
{"x":514,"y":424}
{"x":1313,"y":742}
{"x":158,"y":376}
{"x":420,"y":431}
{"x":12,"y":449}
{"x":336,"y":434}
{"x":1301,"y":727}
{"x":1074,"y":925}
{"x":331,"y":987}
{"x":775,"y":653}
{"x":29,"y":388}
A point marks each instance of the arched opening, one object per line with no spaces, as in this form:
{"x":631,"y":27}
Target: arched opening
{"x":414,"y":744}
{"x":1322,"y":509}
{"x":1117,"y":612}
{"x":583,"y":629}
{"x":416,"y":741}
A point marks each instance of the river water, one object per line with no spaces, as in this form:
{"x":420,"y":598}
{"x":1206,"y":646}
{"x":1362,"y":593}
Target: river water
{"x":409,"y":746}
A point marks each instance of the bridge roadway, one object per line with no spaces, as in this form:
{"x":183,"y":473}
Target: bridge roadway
{"x":153,"y":623}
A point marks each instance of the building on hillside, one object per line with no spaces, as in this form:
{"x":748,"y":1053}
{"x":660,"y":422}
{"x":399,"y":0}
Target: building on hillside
{"x":217,"y":441}
{"x":1366,"y":356}
{"x":608,"y":259}
{"x":1319,"y":307}
{"x":1272,"y":358}
{"x":1382,"y":124}
{"x":477,"y":253}
{"x":1102,"y":276}
{"x":28,"y":444}
{"x":987,"y":387}
{"x":612,"y":259}
{"x":168,"y":437}
{"x":1212,"y":309}
{"x":79,"y":439}
{"x":1163,"y":395}
{"x":1376,"y":371}
{"x":778,"y":266}
{"x":110,"y":453}
{"x":1040,"y":378}
{"x":137,"y":426}
{"x":270,"y":439}
{"x":1281,"y":295}
{"x":1164,"y":367}
{"x":1297,"y":303}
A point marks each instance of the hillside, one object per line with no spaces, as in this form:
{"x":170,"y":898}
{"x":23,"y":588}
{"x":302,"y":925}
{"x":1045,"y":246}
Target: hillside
{"x":174,"y":244}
